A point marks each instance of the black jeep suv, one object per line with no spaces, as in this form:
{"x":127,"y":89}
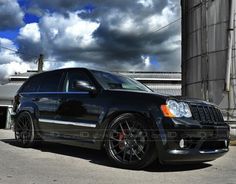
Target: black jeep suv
{"x":97,"y":109}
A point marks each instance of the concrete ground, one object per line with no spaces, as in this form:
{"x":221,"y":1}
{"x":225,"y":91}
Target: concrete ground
{"x":54,"y":163}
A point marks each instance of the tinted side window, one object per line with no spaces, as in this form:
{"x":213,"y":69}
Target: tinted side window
{"x":50,"y":82}
{"x":73,"y":76}
{"x":32,"y":85}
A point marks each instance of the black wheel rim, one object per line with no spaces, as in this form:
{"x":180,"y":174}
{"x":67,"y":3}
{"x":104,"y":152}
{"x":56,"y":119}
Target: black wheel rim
{"x":128,"y":141}
{"x":23,"y":129}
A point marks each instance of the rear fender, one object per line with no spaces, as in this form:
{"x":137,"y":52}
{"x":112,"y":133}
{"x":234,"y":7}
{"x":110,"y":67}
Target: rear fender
{"x":32,"y":109}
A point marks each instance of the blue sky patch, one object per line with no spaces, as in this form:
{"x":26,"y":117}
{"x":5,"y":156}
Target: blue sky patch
{"x":30,"y":18}
{"x":9,"y":34}
{"x":89,"y":8}
{"x":154,"y":61}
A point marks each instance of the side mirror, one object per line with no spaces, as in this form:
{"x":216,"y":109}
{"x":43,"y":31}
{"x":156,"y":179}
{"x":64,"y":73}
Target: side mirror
{"x":83,"y":86}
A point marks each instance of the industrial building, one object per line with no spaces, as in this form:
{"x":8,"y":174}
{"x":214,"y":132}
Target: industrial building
{"x":209,"y":54}
{"x":161,"y":82}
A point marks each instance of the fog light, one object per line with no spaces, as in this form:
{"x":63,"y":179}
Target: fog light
{"x":226,"y":143}
{"x":181,"y":143}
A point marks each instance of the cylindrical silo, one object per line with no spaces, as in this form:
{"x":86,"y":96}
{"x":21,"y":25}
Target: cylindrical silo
{"x":208,"y":52}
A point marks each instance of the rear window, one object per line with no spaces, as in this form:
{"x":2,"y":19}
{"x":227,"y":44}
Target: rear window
{"x":32,"y":84}
{"x":46,"y":82}
{"x":50,"y":82}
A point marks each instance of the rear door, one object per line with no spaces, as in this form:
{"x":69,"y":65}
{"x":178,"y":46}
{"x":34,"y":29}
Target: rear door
{"x":78,"y":111}
{"x":46,"y":99}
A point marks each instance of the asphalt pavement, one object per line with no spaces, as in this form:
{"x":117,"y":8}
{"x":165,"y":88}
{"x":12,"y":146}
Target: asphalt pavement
{"x":52,"y":163}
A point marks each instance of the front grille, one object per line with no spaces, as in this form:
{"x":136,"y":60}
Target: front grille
{"x":206,"y":113}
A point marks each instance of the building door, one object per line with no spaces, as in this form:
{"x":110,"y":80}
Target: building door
{"x":3,"y":117}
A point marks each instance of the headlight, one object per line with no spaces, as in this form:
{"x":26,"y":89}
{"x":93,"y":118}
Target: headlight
{"x":175,"y":109}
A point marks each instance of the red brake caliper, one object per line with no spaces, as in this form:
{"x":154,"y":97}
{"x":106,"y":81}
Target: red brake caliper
{"x":121,"y":137}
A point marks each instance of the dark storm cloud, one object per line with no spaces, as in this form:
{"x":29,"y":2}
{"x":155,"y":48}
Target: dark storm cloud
{"x":11,"y":15}
{"x":126,"y":45}
{"x":126,"y":30}
{"x":55,"y":4}
{"x":28,"y":50}
{"x":62,"y":5}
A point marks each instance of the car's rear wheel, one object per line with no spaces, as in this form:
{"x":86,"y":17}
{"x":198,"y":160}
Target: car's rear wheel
{"x":128,"y":142}
{"x":24,"y":129}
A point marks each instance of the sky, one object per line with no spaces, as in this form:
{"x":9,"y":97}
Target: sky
{"x":114,"y":35}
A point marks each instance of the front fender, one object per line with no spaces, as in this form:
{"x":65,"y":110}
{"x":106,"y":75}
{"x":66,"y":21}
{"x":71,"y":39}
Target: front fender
{"x":147,"y":113}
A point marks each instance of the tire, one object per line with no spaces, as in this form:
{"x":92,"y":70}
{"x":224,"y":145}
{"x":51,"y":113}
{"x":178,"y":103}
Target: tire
{"x":25,"y":130}
{"x":128,"y":142}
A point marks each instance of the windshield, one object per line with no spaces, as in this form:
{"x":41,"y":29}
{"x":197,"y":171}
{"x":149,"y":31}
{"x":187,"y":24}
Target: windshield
{"x":115,"y":81}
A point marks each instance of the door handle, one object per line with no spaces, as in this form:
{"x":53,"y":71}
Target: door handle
{"x":35,"y":99}
{"x":61,"y":100}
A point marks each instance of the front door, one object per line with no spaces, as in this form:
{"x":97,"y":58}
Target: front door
{"x":78,"y":111}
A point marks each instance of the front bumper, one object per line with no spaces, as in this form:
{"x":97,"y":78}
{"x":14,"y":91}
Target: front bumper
{"x":200,"y":143}
{"x":191,"y":156}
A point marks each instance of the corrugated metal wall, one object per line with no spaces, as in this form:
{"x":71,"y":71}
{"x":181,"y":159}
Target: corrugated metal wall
{"x":205,"y":28}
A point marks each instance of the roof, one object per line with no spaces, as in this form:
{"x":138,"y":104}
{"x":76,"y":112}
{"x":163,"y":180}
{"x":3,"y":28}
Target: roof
{"x":22,"y":76}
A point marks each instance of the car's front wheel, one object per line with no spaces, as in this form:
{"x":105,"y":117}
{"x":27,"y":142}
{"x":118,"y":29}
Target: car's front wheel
{"x":128,"y":142}
{"x":24,"y":129}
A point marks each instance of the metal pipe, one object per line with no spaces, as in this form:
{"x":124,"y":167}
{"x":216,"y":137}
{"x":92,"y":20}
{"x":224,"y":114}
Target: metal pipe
{"x":230,"y":43}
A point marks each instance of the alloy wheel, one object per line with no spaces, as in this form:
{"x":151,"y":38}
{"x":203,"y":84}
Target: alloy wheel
{"x":24,"y":130}
{"x":128,"y":141}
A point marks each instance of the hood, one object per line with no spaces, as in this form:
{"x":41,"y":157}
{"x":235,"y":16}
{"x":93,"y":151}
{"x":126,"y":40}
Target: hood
{"x":142,"y":95}
{"x":138,"y":92}
{"x":163,"y":97}
{"x":192,"y":100}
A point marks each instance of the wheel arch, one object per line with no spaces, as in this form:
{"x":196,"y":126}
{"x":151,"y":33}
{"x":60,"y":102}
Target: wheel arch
{"x":30,"y":108}
{"x":115,"y":114}
{"x":152,"y":149}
